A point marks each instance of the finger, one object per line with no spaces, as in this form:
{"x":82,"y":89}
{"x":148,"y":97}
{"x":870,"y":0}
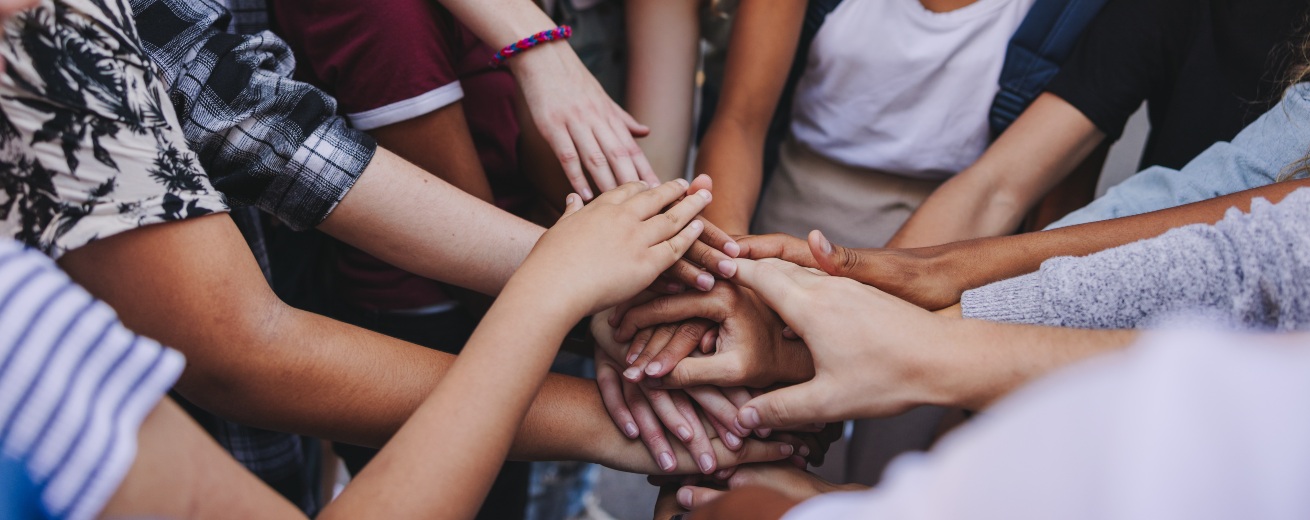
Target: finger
{"x":710,"y":341}
{"x":662,"y":404}
{"x":622,"y":193}
{"x":681,"y":216}
{"x":572,"y":203}
{"x":617,"y":154}
{"x":722,"y":369}
{"x":798,"y":404}
{"x":651,"y":202}
{"x":638,"y":344}
{"x":611,"y":393}
{"x":718,"y":407}
{"x":712,"y":259}
{"x":634,"y":152}
{"x":700,"y":440}
{"x":652,"y":431}
{"x":634,"y":128}
{"x":738,"y":395}
{"x":679,"y":244}
{"x":637,"y":370}
{"x":683,"y":343}
{"x":806,"y":445}
{"x":778,"y":245}
{"x":663,"y":284}
{"x":562,"y":144}
{"x":834,"y":260}
{"x":730,"y":439}
{"x":752,"y":451}
{"x":779,"y":291}
{"x":686,"y":273}
{"x":593,"y":157}
{"x":674,"y":309}
{"x":691,"y":497}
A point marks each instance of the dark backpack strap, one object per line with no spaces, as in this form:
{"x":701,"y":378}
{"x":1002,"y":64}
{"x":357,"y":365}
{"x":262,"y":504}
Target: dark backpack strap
{"x":1039,"y":47}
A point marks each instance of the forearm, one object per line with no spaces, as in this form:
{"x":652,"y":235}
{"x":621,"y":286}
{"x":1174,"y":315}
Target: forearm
{"x":747,"y":502}
{"x":991,"y":197}
{"x":975,"y":263}
{"x":733,"y":157}
{"x":663,"y":46}
{"x":439,"y":143}
{"x":763,"y":44}
{"x":472,"y":415}
{"x":984,"y":361}
{"x":406,"y":217}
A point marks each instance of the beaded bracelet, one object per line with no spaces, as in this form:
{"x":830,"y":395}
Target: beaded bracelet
{"x":562,"y":32}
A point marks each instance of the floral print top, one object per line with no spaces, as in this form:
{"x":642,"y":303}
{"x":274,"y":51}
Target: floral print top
{"x":89,"y":144}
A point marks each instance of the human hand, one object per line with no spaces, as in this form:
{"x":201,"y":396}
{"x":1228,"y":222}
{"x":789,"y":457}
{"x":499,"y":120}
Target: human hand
{"x":645,"y":413}
{"x":750,"y":349}
{"x":709,"y":256}
{"x":604,"y":253}
{"x":585,"y":128}
{"x":786,"y":479}
{"x":920,"y":276}
{"x":873,"y":354}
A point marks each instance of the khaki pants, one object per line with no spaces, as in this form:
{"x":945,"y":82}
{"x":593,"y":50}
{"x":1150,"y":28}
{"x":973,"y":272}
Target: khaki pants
{"x":854,"y":207}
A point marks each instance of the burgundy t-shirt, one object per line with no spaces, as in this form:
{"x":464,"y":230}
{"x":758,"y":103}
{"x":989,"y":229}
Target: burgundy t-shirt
{"x":388,"y":61}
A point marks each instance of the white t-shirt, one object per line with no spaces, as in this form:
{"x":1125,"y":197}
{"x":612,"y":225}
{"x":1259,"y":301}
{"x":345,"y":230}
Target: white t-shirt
{"x":1189,"y":424}
{"x":894,"y":87}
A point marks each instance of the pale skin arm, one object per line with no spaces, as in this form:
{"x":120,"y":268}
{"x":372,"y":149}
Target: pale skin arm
{"x":764,"y":39}
{"x":935,"y":277}
{"x":194,"y":285}
{"x":991,"y":197}
{"x":663,"y":45}
{"x":584,"y":127}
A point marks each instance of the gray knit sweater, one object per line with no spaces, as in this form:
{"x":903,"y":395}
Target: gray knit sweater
{"x":1252,"y":270}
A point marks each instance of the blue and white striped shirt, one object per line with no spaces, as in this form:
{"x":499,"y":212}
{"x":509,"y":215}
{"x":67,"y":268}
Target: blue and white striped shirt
{"x":74,"y":384}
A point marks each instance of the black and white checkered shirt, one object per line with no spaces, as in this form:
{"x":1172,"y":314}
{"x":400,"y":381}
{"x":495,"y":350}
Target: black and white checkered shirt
{"x":265,"y":139}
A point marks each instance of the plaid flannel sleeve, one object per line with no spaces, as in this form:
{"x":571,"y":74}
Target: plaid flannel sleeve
{"x":264,"y":138}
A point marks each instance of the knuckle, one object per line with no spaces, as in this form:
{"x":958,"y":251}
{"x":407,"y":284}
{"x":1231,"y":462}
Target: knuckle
{"x":568,"y":156}
{"x":597,"y":159}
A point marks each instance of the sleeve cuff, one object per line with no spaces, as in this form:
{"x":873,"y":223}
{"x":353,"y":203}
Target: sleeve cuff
{"x":1017,"y":300}
{"x":318,"y":176}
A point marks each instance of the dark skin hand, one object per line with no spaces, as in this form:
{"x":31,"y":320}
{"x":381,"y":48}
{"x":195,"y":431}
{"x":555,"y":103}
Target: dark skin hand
{"x":935,"y":277}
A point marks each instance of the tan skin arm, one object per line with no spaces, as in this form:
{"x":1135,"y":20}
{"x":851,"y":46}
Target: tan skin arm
{"x":991,"y":197}
{"x":764,"y":39}
{"x":663,"y":46}
{"x":252,"y":359}
{"x":749,"y":502}
{"x":935,"y":277}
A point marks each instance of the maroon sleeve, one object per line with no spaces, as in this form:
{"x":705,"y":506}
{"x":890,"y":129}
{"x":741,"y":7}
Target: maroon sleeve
{"x":385,"y":61}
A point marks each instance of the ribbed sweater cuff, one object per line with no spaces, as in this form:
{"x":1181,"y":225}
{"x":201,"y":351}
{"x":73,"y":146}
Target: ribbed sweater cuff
{"x":1017,"y":300}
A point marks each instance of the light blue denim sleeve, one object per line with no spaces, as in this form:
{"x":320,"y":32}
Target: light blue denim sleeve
{"x":1256,"y":157}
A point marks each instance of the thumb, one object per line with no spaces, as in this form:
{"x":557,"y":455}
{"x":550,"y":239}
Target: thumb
{"x":716,"y":370}
{"x":778,"y":290}
{"x":784,"y":407}
{"x":832,"y":259}
{"x":572,"y":203}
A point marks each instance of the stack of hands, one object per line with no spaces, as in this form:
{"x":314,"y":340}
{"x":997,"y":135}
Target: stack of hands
{"x":773,"y":347}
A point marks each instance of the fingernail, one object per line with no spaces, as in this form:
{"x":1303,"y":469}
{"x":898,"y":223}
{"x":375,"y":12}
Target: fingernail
{"x":704,"y":281}
{"x":787,"y":449}
{"x":570,"y":199}
{"x":695,"y":225}
{"x":825,"y":245}
{"x":674,"y":288}
{"x":586,"y":193}
{"x":684,"y":498}
{"x":731,"y":440}
{"x":749,"y":417}
{"x":765,"y":432}
{"x":820,"y":425}
{"x":632,"y":373}
{"x":632,"y":358}
{"x":732,"y":249}
{"x":631,"y":429}
{"x":705,"y":194}
{"x":803,"y":451}
{"x":613,"y":320}
{"x":666,"y":461}
{"x":727,"y":268}
{"x":654,"y":368}
{"x":706,"y":463}
{"x":684,"y":433}
{"x":683,"y":182}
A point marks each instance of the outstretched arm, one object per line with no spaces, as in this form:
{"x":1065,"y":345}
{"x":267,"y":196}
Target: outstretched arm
{"x":992,"y":196}
{"x":764,"y":40}
{"x":935,"y":277}
{"x":255,"y":360}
